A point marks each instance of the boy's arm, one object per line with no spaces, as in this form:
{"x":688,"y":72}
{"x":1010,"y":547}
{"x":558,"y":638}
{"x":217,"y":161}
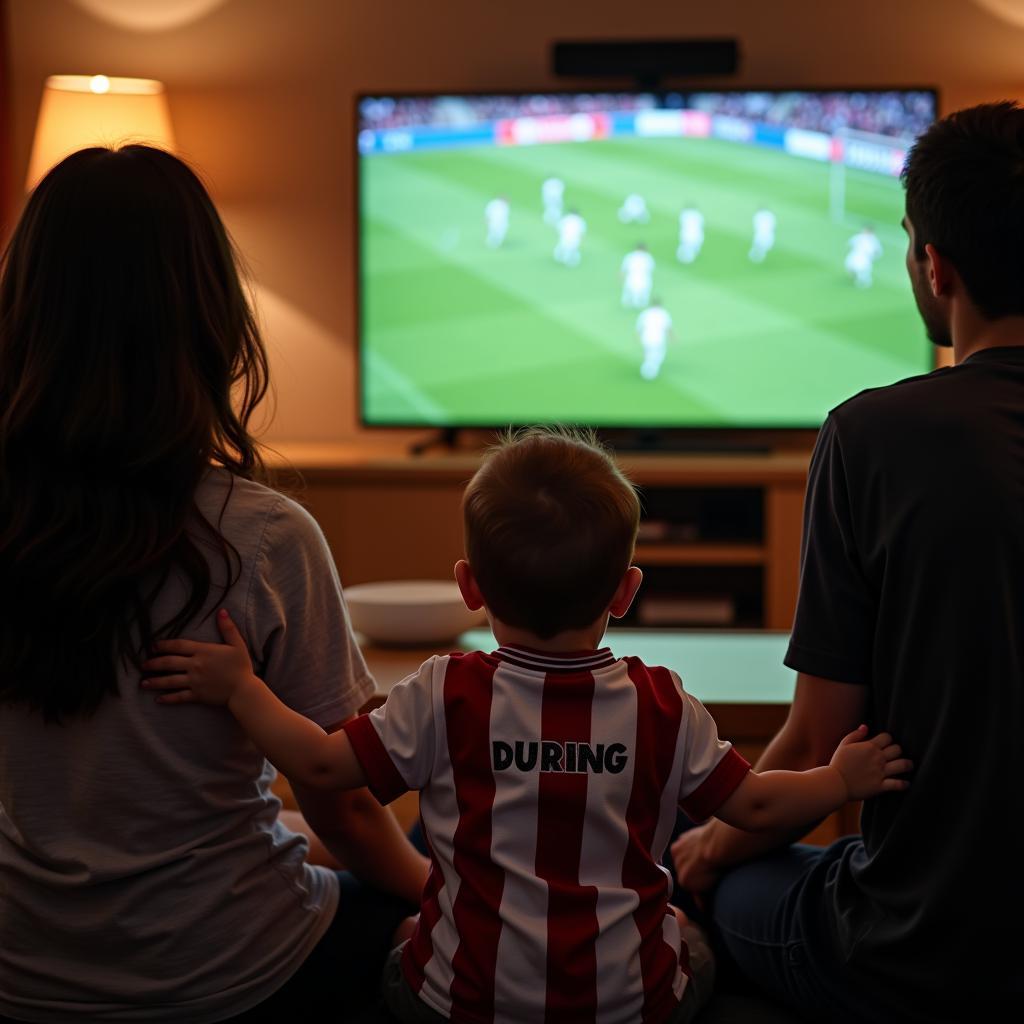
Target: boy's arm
{"x":781,"y":799}
{"x":299,"y":748}
{"x":860,"y":768}
{"x":822,"y":712}
{"x":222,"y":674}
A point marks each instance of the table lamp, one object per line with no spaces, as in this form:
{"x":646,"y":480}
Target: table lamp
{"x":83,"y":110}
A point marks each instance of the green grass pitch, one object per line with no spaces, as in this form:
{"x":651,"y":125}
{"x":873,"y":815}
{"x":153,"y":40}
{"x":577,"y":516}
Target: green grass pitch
{"x":459,"y":334}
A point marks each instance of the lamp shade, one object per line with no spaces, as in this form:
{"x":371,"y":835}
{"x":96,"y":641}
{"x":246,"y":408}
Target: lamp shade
{"x":82,"y":110}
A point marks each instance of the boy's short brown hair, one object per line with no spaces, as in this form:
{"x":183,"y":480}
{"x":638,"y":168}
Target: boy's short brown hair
{"x":550,"y":524}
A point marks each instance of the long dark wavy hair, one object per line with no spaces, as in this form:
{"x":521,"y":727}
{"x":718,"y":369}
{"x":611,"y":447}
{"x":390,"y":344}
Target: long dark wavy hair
{"x":130,"y":361}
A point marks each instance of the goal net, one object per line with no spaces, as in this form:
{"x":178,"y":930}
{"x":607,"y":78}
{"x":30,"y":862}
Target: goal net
{"x":862,"y":151}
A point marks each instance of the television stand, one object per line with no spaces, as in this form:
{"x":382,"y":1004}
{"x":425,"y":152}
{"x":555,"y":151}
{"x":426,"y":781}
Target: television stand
{"x":720,"y":539}
{"x":668,"y":442}
{"x":446,"y":437}
{"x":654,"y":441}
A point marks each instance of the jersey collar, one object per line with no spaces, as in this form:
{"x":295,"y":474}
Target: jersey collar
{"x":556,"y":661}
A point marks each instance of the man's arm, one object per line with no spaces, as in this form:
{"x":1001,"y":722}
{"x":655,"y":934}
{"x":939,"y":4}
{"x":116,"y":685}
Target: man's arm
{"x":365,"y":837}
{"x":833,"y":638}
{"x":821,"y":714}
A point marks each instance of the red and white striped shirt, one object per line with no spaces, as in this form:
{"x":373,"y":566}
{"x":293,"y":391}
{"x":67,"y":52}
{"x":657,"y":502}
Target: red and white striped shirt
{"x":549,"y":786}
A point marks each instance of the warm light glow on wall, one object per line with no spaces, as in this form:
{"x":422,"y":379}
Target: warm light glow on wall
{"x":1009,"y":10}
{"x":149,"y":15}
{"x":83,"y":110}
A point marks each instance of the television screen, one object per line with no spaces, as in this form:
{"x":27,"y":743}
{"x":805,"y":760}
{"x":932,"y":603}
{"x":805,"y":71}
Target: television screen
{"x":727,"y":259}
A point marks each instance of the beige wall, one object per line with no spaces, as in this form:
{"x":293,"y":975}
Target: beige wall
{"x":261,"y":97}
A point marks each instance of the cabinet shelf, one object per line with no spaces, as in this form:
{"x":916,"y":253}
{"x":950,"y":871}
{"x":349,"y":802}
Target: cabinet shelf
{"x":716,"y":527}
{"x":701,"y":554}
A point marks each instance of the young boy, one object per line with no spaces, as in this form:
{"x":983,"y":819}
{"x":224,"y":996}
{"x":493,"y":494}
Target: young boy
{"x":549,"y":771}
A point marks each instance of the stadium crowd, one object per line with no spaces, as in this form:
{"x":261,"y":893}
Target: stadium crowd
{"x":901,"y":114}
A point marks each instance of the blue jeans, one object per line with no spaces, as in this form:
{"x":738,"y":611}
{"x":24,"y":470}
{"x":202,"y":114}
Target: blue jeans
{"x":767,"y":916}
{"x":768,"y":928}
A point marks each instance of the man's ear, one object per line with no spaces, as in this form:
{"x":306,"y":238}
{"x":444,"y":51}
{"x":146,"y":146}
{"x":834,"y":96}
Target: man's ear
{"x":467,"y":586}
{"x":626,"y":591}
{"x":939,"y":270}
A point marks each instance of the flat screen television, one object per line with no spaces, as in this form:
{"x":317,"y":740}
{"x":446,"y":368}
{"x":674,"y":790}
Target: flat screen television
{"x":634,"y":260}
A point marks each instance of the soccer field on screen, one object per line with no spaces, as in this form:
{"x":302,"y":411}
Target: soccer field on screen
{"x":456,"y":333}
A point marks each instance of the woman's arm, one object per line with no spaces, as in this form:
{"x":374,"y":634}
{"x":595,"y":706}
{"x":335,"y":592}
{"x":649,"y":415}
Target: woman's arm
{"x":365,"y":837}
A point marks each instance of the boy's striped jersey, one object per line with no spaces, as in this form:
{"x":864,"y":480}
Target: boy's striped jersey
{"x":549,"y":788}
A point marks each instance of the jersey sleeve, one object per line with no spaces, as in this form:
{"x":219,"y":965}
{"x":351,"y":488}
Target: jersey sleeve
{"x":395,"y":743}
{"x":297,"y":624}
{"x":834,"y":626}
{"x":712,"y":768}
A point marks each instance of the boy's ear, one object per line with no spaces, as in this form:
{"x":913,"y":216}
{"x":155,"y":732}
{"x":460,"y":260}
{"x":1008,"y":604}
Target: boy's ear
{"x":467,"y":586}
{"x":627,"y":589}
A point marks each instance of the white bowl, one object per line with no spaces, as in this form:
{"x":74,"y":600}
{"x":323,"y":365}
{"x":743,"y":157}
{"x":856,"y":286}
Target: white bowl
{"x":406,"y":613}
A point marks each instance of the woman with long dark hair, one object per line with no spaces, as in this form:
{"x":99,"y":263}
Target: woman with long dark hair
{"x":143,"y":871}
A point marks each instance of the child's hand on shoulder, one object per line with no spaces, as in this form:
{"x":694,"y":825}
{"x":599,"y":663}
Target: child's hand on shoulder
{"x":201,"y":673}
{"x":869,"y":766}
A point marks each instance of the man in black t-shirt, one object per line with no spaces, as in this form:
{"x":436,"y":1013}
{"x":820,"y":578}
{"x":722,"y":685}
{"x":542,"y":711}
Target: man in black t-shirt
{"x":910,"y":618}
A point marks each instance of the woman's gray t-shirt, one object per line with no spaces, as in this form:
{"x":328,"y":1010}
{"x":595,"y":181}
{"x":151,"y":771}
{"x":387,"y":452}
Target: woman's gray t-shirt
{"x":143,"y":874}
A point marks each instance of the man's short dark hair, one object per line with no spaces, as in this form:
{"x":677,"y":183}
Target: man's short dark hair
{"x":550,"y":527}
{"x":965,"y":195}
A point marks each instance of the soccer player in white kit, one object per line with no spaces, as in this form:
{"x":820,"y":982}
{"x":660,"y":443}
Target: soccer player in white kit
{"x":691,"y":234}
{"x":654,"y":325}
{"x":552,"y":194}
{"x":496,"y":215}
{"x":637,"y":277}
{"x":764,"y":235}
{"x":865,"y":248}
{"x":634,"y":210}
{"x":571,"y":229}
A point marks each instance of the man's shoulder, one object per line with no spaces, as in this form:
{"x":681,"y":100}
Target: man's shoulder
{"x":905,"y":399}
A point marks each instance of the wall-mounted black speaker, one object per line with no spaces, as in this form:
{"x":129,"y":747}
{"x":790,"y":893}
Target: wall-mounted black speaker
{"x":646,"y":61}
